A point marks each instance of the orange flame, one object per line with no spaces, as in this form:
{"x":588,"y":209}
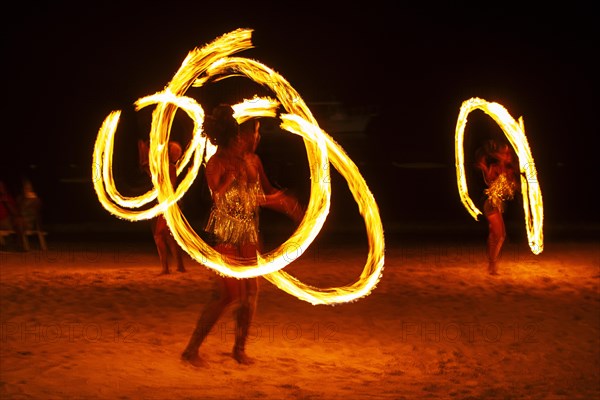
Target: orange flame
{"x":530,"y":189}
{"x":210,"y":64}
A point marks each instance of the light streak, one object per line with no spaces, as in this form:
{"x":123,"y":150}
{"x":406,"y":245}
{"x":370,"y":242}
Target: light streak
{"x":515,"y":132}
{"x":212,"y":63}
{"x":255,"y":107}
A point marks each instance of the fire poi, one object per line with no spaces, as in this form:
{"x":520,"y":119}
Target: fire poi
{"x":530,"y":188}
{"x":203,"y":66}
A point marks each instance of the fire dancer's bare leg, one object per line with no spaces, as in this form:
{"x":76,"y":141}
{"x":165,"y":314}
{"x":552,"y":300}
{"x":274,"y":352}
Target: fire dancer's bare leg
{"x":213,"y":310}
{"x":244,"y":315}
{"x":496,"y":237}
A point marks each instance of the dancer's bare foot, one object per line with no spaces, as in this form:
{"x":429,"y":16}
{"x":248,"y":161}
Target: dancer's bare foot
{"x":164,"y":272}
{"x":195,"y":360}
{"x":242,"y":358}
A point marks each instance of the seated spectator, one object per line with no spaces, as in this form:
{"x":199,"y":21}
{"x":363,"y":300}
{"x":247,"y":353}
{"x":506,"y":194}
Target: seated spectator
{"x":10,"y":216}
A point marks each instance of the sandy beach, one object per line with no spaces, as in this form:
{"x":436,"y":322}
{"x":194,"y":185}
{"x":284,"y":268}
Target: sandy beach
{"x":94,"y":320}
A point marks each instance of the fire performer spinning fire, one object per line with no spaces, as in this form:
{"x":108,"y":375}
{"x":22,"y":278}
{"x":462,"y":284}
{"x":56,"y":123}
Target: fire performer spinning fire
{"x":213,"y":63}
{"x":502,"y":171}
{"x":497,"y":162}
{"x":166,"y":245}
{"x":238,"y":186}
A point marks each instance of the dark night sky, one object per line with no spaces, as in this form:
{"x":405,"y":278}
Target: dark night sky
{"x":67,"y":65}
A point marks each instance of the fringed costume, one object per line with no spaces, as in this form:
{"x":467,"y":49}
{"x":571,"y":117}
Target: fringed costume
{"x":234,"y":223}
{"x":234,"y":216}
{"x":499,"y":191}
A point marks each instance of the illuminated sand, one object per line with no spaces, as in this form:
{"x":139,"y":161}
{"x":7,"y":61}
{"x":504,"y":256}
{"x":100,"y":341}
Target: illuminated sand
{"x":96,"y":322}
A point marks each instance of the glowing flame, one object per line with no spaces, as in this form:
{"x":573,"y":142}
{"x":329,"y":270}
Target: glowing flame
{"x":530,"y":189}
{"x":210,"y":64}
{"x":255,"y":107}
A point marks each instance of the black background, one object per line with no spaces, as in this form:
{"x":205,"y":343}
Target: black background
{"x":67,"y":65}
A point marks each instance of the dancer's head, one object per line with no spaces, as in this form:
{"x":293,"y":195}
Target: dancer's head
{"x":498,"y":150}
{"x":221,"y":127}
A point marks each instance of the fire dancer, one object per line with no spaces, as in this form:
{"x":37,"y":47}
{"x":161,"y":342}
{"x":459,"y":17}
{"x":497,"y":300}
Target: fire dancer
{"x":497,"y":162}
{"x":166,"y":245}
{"x":238,"y":186}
